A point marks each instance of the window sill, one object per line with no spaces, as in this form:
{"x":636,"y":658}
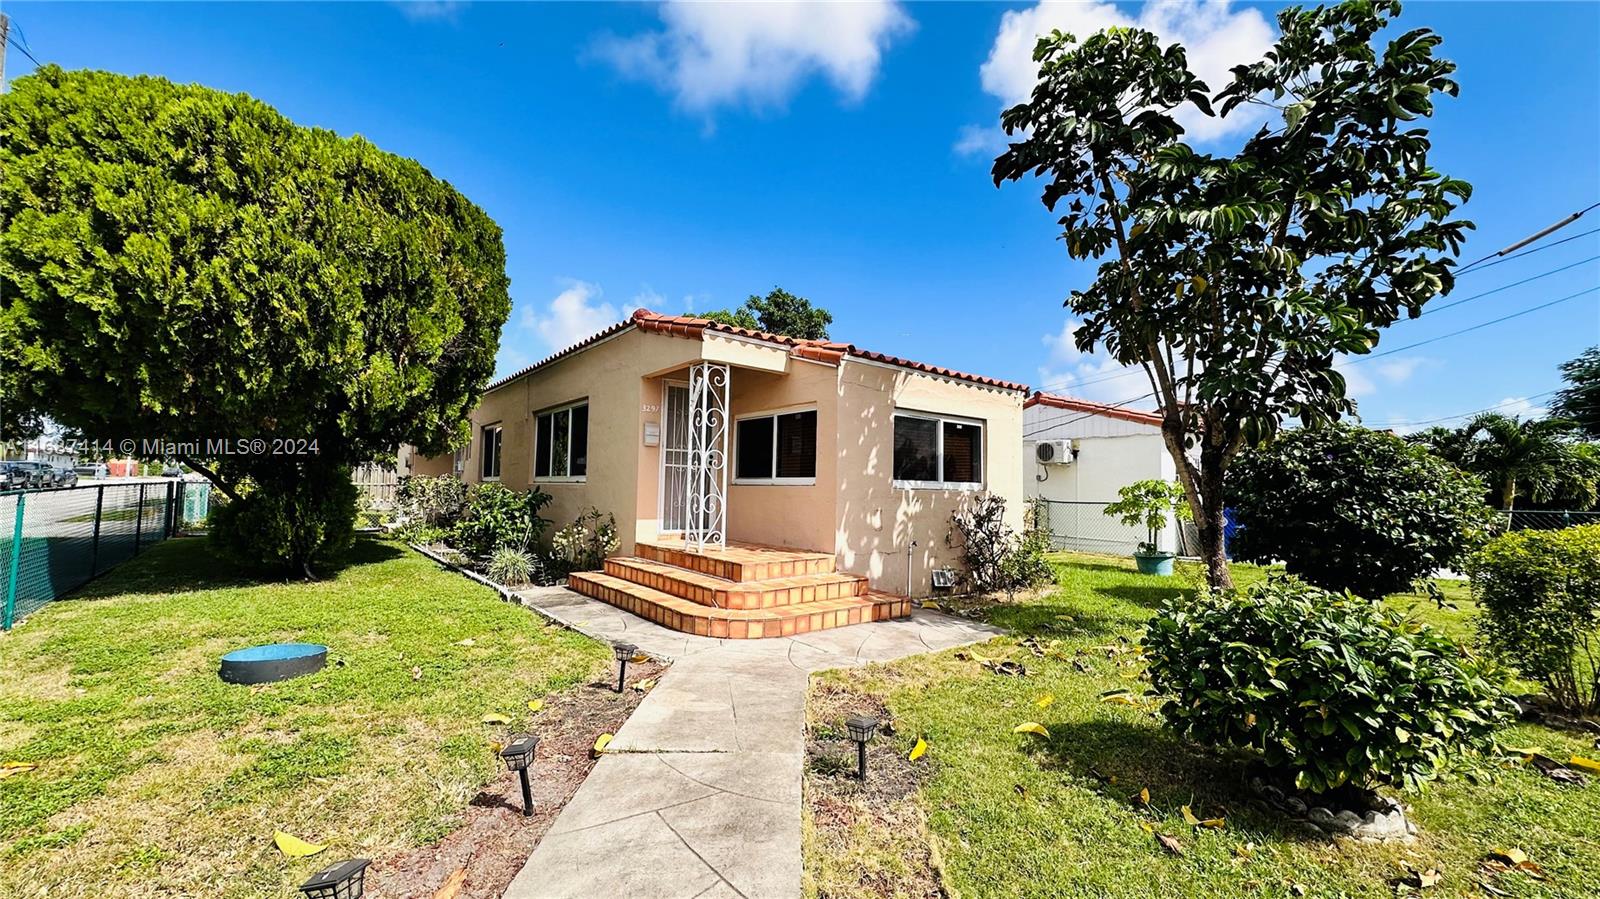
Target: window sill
{"x":953,"y":486}
{"x":580,"y":479}
{"x":493,"y":480}
{"x":774,"y":482}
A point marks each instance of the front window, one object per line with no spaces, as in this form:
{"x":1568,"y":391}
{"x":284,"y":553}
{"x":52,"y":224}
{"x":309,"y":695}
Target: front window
{"x":776,"y":449}
{"x":561,"y":443}
{"x":491,"y":453}
{"x":935,"y":451}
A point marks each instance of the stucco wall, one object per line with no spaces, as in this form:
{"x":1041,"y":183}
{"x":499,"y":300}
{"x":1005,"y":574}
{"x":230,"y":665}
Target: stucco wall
{"x":877,"y":522}
{"x":792,"y":515}
{"x":1104,"y":466}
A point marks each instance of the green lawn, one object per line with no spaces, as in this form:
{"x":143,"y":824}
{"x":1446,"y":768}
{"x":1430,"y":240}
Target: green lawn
{"x":155,"y":778}
{"x":1019,"y":815}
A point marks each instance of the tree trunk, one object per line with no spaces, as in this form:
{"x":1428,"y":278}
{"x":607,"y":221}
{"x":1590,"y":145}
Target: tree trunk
{"x":1508,"y":494}
{"x":1212,"y":522}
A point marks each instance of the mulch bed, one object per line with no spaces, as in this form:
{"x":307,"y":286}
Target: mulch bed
{"x":838,"y":802}
{"x":494,"y":840}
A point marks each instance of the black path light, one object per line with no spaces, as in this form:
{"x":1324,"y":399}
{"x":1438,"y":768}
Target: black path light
{"x":624,"y":652}
{"x":518,"y":756}
{"x":861,"y":728}
{"x":340,"y":880}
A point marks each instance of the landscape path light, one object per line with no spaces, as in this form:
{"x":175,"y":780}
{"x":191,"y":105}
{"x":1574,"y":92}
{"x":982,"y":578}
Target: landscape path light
{"x":340,"y":880}
{"x":861,"y":728}
{"x":518,"y":756}
{"x":624,"y":652}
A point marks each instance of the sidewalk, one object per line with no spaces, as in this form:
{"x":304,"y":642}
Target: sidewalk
{"x":699,"y":792}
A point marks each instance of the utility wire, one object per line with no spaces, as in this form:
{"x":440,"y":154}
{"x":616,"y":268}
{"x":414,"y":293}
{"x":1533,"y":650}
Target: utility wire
{"x":1547,"y":246}
{"x":1047,"y":424}
{"x":1429,"y":310}
{"x":1530,"y":239}
{"x":1493,"y":321}
{"x":13,"y":42}
{"x":1429,"y":421}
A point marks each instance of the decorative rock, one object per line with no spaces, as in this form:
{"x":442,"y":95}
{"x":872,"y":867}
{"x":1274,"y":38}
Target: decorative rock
{"x":1295,"y":805}
{"x":1322,"y":818}
{"x":1348,"y":820}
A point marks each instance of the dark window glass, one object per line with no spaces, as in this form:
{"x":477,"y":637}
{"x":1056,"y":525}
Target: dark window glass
{"x":916,"y":449}
{"x":559,"y":444}
{"x":541,"y":449}
{"x":491,"y":452}
{"x":754,"y":449}
{"x":797,"y":445}
{"x":963,"y":446}
{"x":580,"y":441}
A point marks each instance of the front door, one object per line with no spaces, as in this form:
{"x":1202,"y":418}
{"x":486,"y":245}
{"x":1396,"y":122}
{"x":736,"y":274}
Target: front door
{"x":675,"y":459}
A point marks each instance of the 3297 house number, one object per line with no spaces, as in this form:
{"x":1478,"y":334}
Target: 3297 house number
{"x":649,"y":408}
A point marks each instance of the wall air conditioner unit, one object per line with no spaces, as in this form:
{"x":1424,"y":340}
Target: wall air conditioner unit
{"x":1054,"y":452}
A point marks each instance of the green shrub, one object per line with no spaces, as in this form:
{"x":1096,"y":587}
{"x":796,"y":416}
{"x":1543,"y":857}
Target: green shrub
{"x":299,"y":523}
{"x":1347,"y":508}
{"x":1147,"y":504}
{"x":1539,"y":595}
{"x":512,"y":567}
{"x":1331,"y":689}
{"x":584,"y":544}
{"x":497,"y":517}
{"x":994,"y":557}
{"x":437,"y":501}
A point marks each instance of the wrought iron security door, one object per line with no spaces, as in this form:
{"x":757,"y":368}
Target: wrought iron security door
{"x":706,"y":505}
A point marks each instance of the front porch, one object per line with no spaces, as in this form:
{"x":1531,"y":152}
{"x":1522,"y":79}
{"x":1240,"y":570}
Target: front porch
{"x":739,"y":591}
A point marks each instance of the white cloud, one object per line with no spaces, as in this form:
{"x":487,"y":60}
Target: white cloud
{"x":1090,"y":376}
{"x":1215,"y":36}
{"x":976,"y":140}
{"x":1521,"y":407}
{"x":429,"y":10}
{"x":1366,"y":380}
{"x":576,"y":312}
{"x":758,"y":54}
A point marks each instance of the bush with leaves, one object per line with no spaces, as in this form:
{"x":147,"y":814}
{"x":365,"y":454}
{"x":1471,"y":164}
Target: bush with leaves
{"x":1539,"y":594}
{"x":498,"y":517}
{"x":513,"y":567}
{"x":1147,"y":504}
{"x":435,"y":501}
{"x":1349,"y":508}
{"x":1330,"y":689}
{"x":994,"y":557}
{"x":308,"y":522}
{"x":584,"y":544}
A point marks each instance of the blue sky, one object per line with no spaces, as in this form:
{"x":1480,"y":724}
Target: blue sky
{"x":686,"y":155}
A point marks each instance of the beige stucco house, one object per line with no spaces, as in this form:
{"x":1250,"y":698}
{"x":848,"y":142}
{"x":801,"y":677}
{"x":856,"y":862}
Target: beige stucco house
{"x":705,"y":436}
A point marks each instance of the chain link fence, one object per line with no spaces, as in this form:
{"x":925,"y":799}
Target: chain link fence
{"x":376,"y":486}
{"x":55,"y":541}
{"x":1547,"y":520}
{"x":1085,"y":527}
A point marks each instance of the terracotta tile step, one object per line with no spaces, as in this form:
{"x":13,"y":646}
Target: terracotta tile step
{"x":739,"y":561}
{"x":707,"y":621}
{"x":714,"y":591}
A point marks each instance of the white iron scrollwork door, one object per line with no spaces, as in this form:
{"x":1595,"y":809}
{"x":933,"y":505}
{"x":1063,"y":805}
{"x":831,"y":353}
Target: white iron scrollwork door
{"x":706,"y":508}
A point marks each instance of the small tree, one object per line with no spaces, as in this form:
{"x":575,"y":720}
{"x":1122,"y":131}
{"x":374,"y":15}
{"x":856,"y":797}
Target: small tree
{"x":1535,"y":457}
{"x":1236,"y":280}
{"x":1579,"y":401}
{"x":779,"y":312}
{"x":1347,"y":508}
{"x":270,"y":304}
{"x":1148,"y":503}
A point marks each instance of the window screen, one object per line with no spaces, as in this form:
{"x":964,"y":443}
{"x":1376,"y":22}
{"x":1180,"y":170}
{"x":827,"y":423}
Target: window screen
{"x":916,"y":449}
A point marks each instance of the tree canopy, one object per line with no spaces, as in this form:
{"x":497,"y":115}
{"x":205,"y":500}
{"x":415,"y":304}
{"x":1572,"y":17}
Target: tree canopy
{"x":1579,"y":401}
{"x":1536,"y":458}
{"x":779,"y":312}
{"x":1236,"y":280}
{"x":187,"y":265}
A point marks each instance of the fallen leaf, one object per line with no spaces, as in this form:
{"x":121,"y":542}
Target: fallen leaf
{"x":1556,"y":771}
{"x":1021,"y":790}
{"x":919,"y":750}
{"x":1120,"y":697}
{"x":600,"y":744}
{"x":645,"y":685}
{"x":930,"y":604}
{"x":1579,"y":761}
{"x":639,"y":657}
{"x":495,"y":718}
{"x":10,"y":769}
{"x":1031,"y":727}
{"x":1299,"y":889}
{"x":1170,"y":844}
{"x":1007,"y":668}
{"x":1214,"y":823}
{"x":1511,"y":857}
{"x":1045,"y":701}
{"x":1189,"y":818}
{"x":452,"y":885}
{"x":1143,"y":796}
{"x":495,"y":746}
{"x":294,"y":847}
{"x":1248,"y":850}
{"x":1147,"y":827}
{"x":467,"y":642}
{"x":1430,"y":877}
{"x":535,"y":705}
{"x":1523,"y":750}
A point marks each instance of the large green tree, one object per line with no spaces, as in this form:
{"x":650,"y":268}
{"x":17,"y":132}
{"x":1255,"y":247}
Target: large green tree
{"x":1537,"y":458}
{"x":186,"y":265}
{"x":1235,"y":280}
{"x":1579,"y":401}
{"x":779,"y":312}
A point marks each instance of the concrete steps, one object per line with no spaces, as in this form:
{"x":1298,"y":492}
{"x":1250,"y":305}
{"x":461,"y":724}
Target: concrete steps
{"x":737,"y":592}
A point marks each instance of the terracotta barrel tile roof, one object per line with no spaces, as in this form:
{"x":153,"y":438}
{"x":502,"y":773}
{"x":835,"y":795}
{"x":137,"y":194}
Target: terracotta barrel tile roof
{"x":695,"y":328}
{"x":1056,"y":401}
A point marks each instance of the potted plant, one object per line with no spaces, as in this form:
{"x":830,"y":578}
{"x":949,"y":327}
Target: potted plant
{"x":1147,"y":503}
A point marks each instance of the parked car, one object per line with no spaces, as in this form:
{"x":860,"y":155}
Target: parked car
{"x":12,"y":477}
{"x":172,"y":470}
{"x":92,"y":470}
{"x":66,"y":477}
{"x":40,"y":474}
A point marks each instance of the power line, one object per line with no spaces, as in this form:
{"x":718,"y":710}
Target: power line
{"x":1494,"y":321}
{"x":1047,"y":424}
{"x":1530,"y":239}
{"x":1429,"y":421}
{"x":1529,"y":252}
{"x":13,"y":42}
{"x":1432,"y":309}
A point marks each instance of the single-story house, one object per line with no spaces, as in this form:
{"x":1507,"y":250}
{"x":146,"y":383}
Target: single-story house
{"x":718,"y":441}
{"x":1078,"y":455}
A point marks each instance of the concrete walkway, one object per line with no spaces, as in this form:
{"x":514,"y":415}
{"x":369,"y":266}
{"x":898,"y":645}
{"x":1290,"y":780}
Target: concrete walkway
{"x":699,"y":792}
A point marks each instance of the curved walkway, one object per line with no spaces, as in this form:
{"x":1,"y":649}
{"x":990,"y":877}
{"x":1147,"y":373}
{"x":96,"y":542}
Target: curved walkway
{"x":698,"y":794}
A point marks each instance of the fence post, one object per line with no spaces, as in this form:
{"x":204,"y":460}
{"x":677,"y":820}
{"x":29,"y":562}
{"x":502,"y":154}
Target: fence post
{"x":138,"y":520}
{"x":166,"y":513}
{"x":10,"y":612}
{"x":94,"y":550}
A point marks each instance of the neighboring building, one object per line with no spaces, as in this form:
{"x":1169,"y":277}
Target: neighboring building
{"x":1094,"y":451}
{"x":814,"y":446}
